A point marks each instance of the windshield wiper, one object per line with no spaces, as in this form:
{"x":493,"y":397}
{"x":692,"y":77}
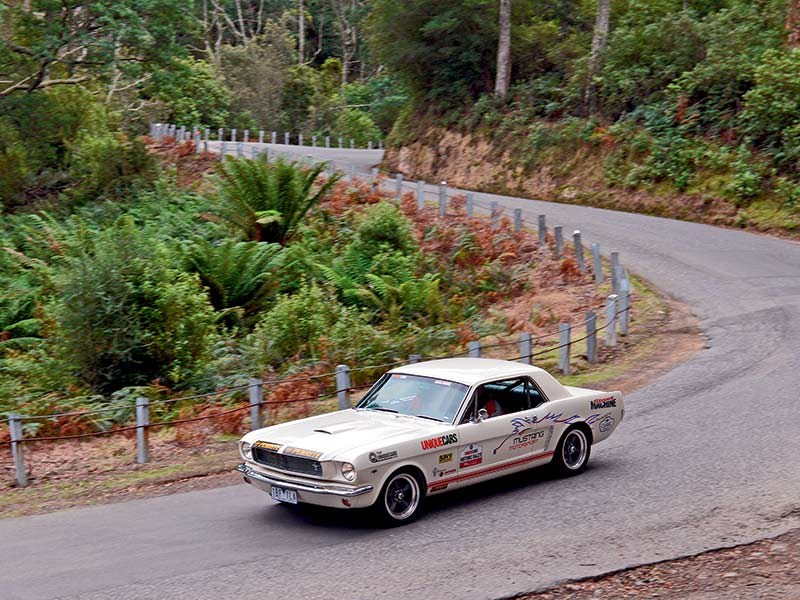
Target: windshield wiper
{"x":391,"y":410}
{"x":431,"y":418}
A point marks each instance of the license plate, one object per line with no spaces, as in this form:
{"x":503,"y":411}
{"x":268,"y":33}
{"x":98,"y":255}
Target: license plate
{"x":282,"y":495}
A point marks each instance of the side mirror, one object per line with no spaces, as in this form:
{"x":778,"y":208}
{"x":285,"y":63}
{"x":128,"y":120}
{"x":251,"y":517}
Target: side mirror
{"x":483,"y":414}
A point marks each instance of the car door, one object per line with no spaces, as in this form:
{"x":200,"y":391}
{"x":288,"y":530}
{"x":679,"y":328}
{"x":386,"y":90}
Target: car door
{"x":491,"y":446}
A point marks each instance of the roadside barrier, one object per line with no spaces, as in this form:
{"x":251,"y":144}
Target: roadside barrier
{"x":617,"y":314}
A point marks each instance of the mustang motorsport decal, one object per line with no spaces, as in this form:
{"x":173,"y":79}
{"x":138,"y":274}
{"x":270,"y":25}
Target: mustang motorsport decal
{"x":438,"y":488}
{"x":304,"y":453}
{"x":470,"y":456}
{"x":527,"y":438}
{"x":380,"y":456}
{"x":609,"y":402}
{"x":437,"y":472}
{"x":267,"y":446}
{"x":438,"y":442}
{"x":520,"y":423}
{"x":606,"y":423}
{"x":445,"y":458}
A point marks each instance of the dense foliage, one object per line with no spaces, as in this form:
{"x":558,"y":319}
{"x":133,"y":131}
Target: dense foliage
{"x":266,"y":268}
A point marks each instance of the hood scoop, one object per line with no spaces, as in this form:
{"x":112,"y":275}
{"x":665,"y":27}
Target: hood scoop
{"x":338,"y":428}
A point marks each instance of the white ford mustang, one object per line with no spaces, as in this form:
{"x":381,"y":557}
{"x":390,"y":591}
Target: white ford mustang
{"x":426,"y":428}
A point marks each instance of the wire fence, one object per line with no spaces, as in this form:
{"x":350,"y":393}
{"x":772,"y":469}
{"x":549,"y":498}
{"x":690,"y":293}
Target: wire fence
{"x":618,"y":307}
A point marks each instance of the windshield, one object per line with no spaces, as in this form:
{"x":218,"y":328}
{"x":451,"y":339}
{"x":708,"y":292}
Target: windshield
{"x":424,"y":397}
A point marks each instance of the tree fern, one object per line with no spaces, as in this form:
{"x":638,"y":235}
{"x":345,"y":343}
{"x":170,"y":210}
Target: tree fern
{"x":267,"y":201}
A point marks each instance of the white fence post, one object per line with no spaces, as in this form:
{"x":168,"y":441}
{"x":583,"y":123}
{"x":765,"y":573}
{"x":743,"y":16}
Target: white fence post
{"x":399,"y":186}
{"x":420,"y":195}
{"x":517,"y":219}
{"x":597,"y":263}
{"x":197,"y":147}
{"x":559,"y":233}
{"x":246,"y":136}
{"x":615,"y":272}
{"x":591,"y":337}
{"x":327,"y":141}
{"x":611,"y":320}
{"x":142,"y":430}
{"x":299,"y":139}
{"x":233,"y":135}
{"x":474,"y":349}
{"x":624,"y":305}
{"x":17,"y":450}
{"x":261,"y":137}
{"x":470,"y":204}
{"x":220,"y":134}
{"x":274,"y":137}
{"x":256,"y":396}
{"x":442,"y":198}
{"x":341,"y":143}
{"x":222,"y":149}
{"x":576,"y":241}
{"x":286,"y":138}
{"x":565,"y":345}
{"x":542,"y":230}
{"x":495,"y":213}
{"x":352,"y":143}
{"x":343,"y":386}
{"x":525,"y":348}
{"x":313,"y":141}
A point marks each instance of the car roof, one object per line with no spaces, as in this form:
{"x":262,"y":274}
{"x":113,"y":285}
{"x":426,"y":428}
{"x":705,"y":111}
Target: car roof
{"x":469,"y":371}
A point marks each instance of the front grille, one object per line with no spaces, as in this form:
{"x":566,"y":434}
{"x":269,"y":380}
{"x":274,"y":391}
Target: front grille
{"x":284,"y":462}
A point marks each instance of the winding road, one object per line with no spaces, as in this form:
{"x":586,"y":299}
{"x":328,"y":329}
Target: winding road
{"x":708,"y":456}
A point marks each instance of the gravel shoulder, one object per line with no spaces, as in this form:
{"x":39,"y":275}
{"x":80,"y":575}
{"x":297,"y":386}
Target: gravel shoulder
{"x":765,"y":570}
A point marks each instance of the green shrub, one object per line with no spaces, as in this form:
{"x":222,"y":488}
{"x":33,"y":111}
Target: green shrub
{"x":125,"y":317}
{"x":14,"y":169}
{"x":357,"y":125}
{"x":108,"y":166}
{"x":383,"y":227}
{"x":294,"y":326}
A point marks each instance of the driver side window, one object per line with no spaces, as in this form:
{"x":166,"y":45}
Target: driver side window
{"x":498,"y":398}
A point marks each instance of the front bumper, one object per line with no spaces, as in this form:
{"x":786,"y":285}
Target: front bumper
{"x":324,"y":494}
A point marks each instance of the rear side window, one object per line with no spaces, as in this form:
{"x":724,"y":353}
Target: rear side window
{"x":504,"y":397}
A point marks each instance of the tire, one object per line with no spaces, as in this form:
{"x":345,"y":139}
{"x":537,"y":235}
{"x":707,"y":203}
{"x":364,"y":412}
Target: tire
{"x":401,"y":499}
{"x":572,"y":453}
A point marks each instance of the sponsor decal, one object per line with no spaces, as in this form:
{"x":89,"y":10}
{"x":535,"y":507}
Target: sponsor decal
{"x":267,"y":446}
{"x":438,"y":442}
{"x":606,"y":423}
{"x":380,"y":456}
{"x":437,"y":472}
{"x":520,"y":423}
{"x":609,"y":402}
{"x":470,"y":456}
{"x":304,"y":453}
{"x":527,"y":438}
{"x":438,"y":487}
{"x":445,"y":458}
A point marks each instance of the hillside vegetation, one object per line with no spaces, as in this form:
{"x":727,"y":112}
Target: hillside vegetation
{"x":683,"y":108}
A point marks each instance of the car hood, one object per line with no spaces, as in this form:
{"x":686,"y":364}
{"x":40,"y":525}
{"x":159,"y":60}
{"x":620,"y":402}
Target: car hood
{"x":345,"y":431}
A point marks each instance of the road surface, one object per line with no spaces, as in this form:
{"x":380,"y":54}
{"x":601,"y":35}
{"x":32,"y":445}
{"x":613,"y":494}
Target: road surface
{"x":707,"y":456}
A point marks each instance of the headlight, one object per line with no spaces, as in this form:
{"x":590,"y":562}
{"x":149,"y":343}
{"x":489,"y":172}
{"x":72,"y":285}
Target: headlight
{"x":247,"y":451}
{"x":348,"y":472}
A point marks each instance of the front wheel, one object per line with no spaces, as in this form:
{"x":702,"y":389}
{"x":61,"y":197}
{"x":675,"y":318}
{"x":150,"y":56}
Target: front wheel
{"x":572,"y":452}
{"x":401,"y":499}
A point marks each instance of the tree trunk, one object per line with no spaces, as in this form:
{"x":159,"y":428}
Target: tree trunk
{"x":599,"y":42}
{"x":301,"y":32}
{"x":793,"y":24}
{"x":503,"y":50}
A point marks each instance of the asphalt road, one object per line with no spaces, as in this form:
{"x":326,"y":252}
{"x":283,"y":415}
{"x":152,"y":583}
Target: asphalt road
{"x":707,"y":456}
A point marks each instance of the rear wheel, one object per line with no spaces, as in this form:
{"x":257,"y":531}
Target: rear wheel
{"x":401,"y":499}
{"x":572,"y":452}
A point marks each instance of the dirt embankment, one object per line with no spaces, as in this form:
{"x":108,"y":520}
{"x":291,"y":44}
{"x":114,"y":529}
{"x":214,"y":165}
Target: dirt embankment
{"x":574,"y":173}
